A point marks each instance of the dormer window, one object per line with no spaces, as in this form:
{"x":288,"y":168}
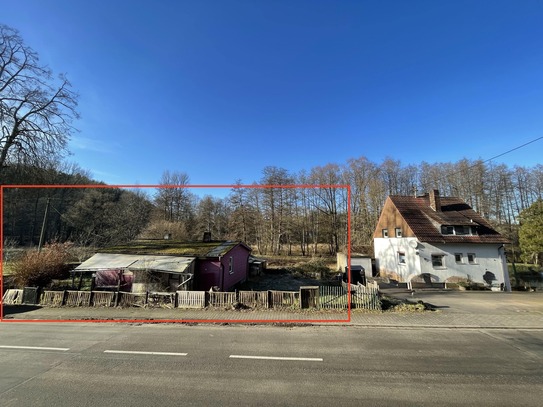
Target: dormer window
{"x":457,"y":230}
{"x":447,"y":230}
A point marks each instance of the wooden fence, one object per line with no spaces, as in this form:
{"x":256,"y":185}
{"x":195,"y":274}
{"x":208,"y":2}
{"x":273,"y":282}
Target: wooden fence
{"x":161,"y":300}
{"x":284,"y":299}
{"x":52,"y":298}
{"x":77,"y":298}
{"x":327,"y":297}
{"x":131,"y":299}
{"x":254,"y":299}
{"x":103,"y":298}
{"x":12,"y":297}
{"x":222,"y":299}
{"x":191,"y":299}
{"x":337,"y":297}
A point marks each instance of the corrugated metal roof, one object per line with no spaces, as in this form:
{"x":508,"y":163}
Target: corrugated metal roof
{"x":109,"y":261}
{"x":163,"y":263}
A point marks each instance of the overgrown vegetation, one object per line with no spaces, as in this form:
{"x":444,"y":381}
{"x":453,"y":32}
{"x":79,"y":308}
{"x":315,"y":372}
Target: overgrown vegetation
{"x":37,"y":268}
{"x":394,"y":304}
{"x":314,"y":268}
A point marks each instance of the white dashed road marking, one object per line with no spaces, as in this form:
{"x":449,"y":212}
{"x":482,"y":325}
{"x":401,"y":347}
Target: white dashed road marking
{"x":135,"y":352}
{"x":34,"y":348}
{"x":275,"y":358}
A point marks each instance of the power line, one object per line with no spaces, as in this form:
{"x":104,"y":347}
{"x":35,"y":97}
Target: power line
{"x":488,"y":160}
{"x":513,"y":149}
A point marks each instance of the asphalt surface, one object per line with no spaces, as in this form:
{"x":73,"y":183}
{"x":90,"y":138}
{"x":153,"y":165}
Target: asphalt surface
{"x":453,"y":309}
{"x":54,"y":364}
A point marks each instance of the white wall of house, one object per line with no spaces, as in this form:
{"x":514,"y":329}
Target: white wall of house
{"x":417,"y":259}
{"x":484,"y":258}
{"x":388,"y":261}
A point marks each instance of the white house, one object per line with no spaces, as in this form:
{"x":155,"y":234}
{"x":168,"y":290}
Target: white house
{"x":439,"y":239}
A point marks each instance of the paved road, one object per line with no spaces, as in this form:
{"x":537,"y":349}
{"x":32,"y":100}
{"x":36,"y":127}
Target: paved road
{"x":476,"y":302}
{"x":46,"y":364}
{"x":454,"y":309}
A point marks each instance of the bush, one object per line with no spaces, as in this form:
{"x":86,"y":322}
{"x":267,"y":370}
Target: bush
{"x":39,"y":268}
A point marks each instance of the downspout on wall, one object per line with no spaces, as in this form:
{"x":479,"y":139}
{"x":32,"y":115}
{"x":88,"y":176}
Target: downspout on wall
{"x":221,"y":274}
{"x":506,"y":280}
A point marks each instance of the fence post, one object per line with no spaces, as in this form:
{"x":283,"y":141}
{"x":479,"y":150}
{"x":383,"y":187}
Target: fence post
{"x":270,"y":299}
{"x":64,"y":293}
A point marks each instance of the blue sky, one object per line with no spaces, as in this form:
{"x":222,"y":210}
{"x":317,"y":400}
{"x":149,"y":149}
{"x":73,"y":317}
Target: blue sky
{"x":221,"y":89}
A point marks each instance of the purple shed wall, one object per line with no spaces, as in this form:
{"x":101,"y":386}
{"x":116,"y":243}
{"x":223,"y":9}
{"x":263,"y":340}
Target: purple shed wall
{"x":210,"y":273}
{"x":240,"y":256}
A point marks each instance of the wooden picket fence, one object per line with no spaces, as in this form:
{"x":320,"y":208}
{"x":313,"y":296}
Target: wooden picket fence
{"x":337,"y":297}
{"x":103,"y":298}
{"x":325,"y":297}
{"x":254,"y":299}
{"x":222,"y":299}
{"x":191,"y":299}
{"x":12,"y":297}
{"x":285,"y":299}
{"x":52,"y":298}
{"x":77,"y":298}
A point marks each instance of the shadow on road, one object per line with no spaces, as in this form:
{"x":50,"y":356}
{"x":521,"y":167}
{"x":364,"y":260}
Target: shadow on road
{"x":10,"y":310}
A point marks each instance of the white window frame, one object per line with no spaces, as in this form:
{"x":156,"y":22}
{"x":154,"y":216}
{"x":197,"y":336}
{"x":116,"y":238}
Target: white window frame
{"x":398,"y":232}
{"x":473,"y":258}
{"x":459,"y":258}
{"x":401,"y":258}
{"x":385,"y":233}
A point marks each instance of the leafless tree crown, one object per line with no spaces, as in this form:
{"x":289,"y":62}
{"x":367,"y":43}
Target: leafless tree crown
{"x":36,"y":110}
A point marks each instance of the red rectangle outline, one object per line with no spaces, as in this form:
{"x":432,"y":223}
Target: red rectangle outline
{"x":229,"y":321}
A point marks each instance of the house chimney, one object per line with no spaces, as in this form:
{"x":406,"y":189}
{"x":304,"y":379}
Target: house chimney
{"x":207,"y":237}
{"x":435,"y":200}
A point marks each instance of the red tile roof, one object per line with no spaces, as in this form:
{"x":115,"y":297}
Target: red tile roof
{"x":426,"y":223}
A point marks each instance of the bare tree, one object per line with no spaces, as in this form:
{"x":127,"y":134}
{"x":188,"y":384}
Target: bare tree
{"x":36,"y":111}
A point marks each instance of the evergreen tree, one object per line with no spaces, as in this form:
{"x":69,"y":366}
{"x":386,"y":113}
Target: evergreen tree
{"x":530,"y":233}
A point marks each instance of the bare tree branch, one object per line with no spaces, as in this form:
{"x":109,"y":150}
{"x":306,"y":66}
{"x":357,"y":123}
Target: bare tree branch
{"x":36,"y":111}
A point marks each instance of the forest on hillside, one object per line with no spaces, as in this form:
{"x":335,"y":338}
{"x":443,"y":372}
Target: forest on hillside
{"x":281,"y":220}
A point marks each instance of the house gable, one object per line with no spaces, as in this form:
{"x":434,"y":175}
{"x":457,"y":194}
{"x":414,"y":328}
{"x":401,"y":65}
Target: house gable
{"x":390,"y":220}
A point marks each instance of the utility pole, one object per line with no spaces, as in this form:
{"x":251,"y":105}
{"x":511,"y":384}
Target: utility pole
{"x":42,"y":234}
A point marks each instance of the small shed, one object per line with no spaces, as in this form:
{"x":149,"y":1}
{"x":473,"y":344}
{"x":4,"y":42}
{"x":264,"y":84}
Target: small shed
{"x":357,"y":260}
{"x":257,"y":266}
